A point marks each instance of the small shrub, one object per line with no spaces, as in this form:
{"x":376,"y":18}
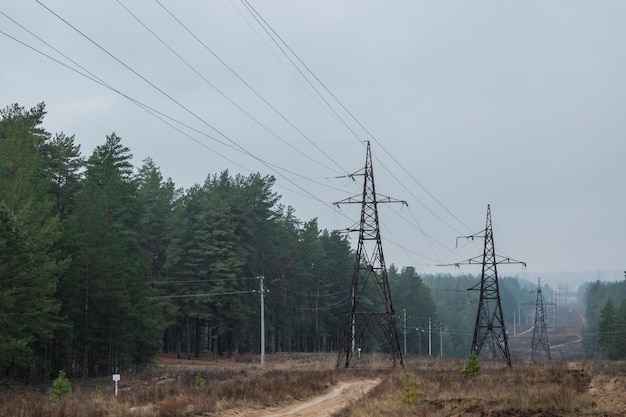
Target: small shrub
{"x":60,"y":387}
{"x":409,"y":392}
{"x":472,"y":367}
{"x":199,"y":380}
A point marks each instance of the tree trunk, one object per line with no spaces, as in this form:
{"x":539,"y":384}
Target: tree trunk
{"x":198,"y":338}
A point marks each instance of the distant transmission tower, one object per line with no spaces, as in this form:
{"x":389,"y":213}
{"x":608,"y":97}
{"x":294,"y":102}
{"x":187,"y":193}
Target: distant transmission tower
{"x":540,"y":331}
{"x":489,"y":320}
{"x":369,"y":268}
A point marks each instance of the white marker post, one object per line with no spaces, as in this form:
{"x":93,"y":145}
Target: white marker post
{"x":116,"y":378}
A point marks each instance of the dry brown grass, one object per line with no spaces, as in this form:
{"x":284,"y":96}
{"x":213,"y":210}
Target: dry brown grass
{"x":171,"y":389}
{"x":527,"y":389}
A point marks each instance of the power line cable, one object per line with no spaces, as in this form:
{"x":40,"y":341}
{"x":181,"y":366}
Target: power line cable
{"x":154,"y":112}
{"x":248,"y":85}
{"x":235,"y":144}
{"x":252,"y":9}
{"x":191,"y":67}
{"x":269,"y":48}
{"x":92,"y":77}
{"x":156,"y":297}
{"x":264,"y":25}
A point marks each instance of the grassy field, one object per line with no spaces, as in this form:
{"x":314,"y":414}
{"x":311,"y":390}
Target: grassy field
{"x":424,"y":387}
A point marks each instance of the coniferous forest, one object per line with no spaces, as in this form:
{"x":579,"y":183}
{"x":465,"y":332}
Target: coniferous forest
{"x":103,"y":265}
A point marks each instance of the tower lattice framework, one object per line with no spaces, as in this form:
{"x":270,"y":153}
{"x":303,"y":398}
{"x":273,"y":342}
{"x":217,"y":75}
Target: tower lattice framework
{"x":369,"y":270}
{"x":490,"y":327}
{"x":540,"y":331}
{"x":489,"y":320}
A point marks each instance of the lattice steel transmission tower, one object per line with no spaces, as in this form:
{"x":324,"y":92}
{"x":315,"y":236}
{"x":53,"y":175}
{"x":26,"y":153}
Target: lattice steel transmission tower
{"x":490,"y":326}
{"x":540,"y":331}
{"x":369,"y":269}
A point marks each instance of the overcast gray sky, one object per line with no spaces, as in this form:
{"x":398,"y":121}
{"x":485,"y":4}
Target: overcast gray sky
{"x":520,"y":105}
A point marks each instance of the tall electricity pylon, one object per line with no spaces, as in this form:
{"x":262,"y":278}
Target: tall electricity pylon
{"x":369,"y":268}
{"x":490,"y":326}
{"x":540,"y":331}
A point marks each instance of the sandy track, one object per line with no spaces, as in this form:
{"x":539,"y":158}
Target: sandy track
{"x":323,"y":406}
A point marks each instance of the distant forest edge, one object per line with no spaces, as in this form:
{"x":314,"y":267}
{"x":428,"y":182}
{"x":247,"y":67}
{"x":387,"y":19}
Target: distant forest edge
{"x":103,"y":266}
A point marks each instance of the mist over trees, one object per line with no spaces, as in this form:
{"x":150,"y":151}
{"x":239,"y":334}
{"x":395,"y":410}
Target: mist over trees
{"x":604,"y":336}
{"x":104,"y":265}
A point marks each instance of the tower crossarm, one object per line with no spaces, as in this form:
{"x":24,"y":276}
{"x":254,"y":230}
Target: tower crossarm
{"x":478,"y":260}
{"x":358,"y":199}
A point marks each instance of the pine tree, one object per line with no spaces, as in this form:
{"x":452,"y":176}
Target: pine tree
{"x":114,"y":321}
{"x":607,"y":332}
{"x":24,"y":181}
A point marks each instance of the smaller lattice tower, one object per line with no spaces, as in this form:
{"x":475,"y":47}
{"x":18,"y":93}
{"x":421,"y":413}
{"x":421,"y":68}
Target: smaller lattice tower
{"x":489,"y":328}
{"x":540,"y":331}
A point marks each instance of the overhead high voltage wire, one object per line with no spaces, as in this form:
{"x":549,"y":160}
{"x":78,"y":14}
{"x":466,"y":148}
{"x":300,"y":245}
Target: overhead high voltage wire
{"x":179,"y":104}
{"x":407,"y":250}
{"x":273,"y":167}
{"x":155,"y":297}
{"x":255,"y":13}
{"x":265,"y":24}
{"x":150,"y":110}
{"x":203,"y":281}
{"x":92,"y":77}
{"x":248,"y":85}
{"x":269,"y":48}
{"x":183,"y":60}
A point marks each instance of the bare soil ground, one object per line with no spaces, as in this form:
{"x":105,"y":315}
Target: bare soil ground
{"x":326,"y":405}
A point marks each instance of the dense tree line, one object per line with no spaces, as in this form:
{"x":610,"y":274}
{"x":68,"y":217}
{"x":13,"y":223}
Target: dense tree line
{"x":103,"y":265}
{"x":605,"y":333}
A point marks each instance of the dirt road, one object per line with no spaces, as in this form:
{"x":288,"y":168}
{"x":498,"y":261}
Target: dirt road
{"x":323,"y":406}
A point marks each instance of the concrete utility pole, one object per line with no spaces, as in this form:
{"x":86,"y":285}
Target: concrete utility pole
{"x":404,"y":309}
{"x":262,"y":320}
{"x":430,"y":339}
{"x":419,"y":341}
{"x":441,"y":340}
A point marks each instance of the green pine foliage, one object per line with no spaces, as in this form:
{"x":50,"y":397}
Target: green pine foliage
{"x":410,"y":396}
{"x":472,"y":366}
{"x":60,"y":388}
{"x":605,"y":334}
{"x":30,"y":259}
